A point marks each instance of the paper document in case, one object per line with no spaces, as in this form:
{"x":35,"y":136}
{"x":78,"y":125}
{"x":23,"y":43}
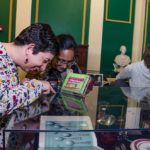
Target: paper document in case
{"x":68,"y":138}
{"x":72,"y":148}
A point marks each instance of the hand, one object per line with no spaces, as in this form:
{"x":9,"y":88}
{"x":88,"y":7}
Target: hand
{"x":47,"y":87}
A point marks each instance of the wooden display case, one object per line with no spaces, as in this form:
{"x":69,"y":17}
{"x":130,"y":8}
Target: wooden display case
{"x":81,"y":56}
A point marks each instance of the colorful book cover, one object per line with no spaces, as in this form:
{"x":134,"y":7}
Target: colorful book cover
{"x":76,"y":83}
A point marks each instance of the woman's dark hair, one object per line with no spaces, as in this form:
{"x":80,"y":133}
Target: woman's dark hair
{"x":147,"y":56}
{"x":66,"y":41}
{"x":39,"y":34}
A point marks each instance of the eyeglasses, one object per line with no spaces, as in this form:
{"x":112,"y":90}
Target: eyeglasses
{"x":68,"y":63}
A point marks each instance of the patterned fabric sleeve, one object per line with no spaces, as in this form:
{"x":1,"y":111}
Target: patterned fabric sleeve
{"x":20,"y":95}
{"x":14,"y":94}
{"x":30,"y":111}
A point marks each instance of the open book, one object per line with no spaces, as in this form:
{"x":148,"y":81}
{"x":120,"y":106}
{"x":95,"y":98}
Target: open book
{"x":70,"y":138}
{"x":76,"y":83}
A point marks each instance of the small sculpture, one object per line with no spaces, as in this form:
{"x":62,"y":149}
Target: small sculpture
{"x":121,"y":60}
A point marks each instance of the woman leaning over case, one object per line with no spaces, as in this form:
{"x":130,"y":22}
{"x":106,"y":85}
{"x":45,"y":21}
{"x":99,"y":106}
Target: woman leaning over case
{"x":32,"y":49}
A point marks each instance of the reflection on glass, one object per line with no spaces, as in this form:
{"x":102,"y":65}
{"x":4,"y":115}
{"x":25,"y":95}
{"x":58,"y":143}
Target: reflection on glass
{"x":107,"y":120}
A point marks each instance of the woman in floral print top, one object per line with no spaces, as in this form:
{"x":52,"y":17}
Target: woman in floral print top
{"x":32,"y":49}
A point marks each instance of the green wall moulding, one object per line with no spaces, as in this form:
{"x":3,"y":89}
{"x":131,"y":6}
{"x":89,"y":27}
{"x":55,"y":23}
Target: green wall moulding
{"x":8,"y":19}
{"x":118,"y":28}
{"x":65,"y":16}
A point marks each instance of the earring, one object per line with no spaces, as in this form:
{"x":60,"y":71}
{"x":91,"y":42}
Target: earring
{"x":26,"y":61}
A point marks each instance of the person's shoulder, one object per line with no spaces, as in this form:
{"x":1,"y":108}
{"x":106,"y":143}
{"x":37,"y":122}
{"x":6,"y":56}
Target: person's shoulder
{"x":135,"y":66}
{"x":136,"y":63}
{"x":139,"y":63}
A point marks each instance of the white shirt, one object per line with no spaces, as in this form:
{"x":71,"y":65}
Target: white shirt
{"x":137,"y":73}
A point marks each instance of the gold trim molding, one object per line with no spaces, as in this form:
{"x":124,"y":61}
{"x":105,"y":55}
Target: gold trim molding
{"x":83,"y":22}
{"x":37,"y":11}
{"x":146,"y":23}
{"x":10,"y":21}
{"x":119,"y":21}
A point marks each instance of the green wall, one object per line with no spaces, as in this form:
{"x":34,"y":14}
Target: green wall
{"x":5,"y":20}
{"x":117,"y":31}
{"x":65,"y":16}
{"x":147,"y":26}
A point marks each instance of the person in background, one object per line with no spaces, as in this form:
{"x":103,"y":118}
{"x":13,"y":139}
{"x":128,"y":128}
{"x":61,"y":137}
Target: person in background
{"x":138,"y":73}
{"x":57,"y":70}
{"x":31,"y":50}
{"x":58,"y":67}
{"x":64,"y":61}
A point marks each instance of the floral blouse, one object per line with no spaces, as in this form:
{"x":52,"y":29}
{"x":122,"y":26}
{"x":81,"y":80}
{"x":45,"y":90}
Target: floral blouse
{"x":13,"y":93}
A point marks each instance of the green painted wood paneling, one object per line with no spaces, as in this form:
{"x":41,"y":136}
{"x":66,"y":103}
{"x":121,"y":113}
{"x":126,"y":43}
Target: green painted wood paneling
{"x":115,"y":34}
{"x":148,"y":29}
{"x":33,"y":11}
{"x":65,"y":16}
{"x":87,"y":22}
{"x":4,"y":19}
{"x":147,"y":25}
{"x":123,"y":9}
{"x":14,"y":20}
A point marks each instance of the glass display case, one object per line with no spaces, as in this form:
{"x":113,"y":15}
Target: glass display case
{"x":108,"y":117}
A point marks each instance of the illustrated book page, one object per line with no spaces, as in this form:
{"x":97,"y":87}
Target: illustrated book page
{"x":68,"y":138}
{"x":75,"y":83}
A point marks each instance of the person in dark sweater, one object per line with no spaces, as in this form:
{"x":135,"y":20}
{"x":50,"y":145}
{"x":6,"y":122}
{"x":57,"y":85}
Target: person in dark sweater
{"x":63,"y":62}
{"x":57,"y":70}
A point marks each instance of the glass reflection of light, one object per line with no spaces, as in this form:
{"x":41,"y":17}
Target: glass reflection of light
{"x":107,"y":120}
